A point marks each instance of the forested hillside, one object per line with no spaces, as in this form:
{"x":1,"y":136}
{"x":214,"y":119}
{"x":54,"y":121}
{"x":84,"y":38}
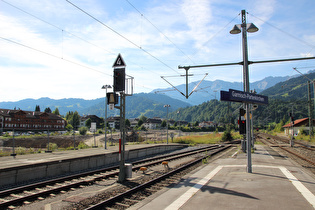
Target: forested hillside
{"x":284,"y":97}
{"x":147,"y":104}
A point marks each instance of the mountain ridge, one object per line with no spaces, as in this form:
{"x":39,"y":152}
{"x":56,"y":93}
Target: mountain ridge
{"x":148,"y":104}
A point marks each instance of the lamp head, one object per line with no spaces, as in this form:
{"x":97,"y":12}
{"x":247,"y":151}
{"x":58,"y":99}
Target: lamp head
{"x":106,"y":86}
{"x":251,"y":28}
{"x":236,"y":29}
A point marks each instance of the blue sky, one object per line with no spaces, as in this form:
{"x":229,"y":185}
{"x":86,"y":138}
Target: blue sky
{"x":50,"y":48}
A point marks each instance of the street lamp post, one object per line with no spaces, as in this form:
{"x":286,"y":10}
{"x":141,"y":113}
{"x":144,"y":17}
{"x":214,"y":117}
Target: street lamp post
{"x":167,"y":105}
{"x":105,"y":121}
{"x":244,"y":28}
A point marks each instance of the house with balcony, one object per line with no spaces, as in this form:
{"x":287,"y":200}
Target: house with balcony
{"x":23,"y":121}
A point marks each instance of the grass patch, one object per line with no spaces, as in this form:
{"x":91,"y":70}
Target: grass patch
{"x":212,"y":138}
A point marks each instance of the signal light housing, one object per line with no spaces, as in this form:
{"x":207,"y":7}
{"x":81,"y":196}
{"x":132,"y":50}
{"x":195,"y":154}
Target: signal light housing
{"x":119,"y":79}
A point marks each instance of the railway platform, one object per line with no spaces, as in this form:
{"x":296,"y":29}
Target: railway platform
{"x":275,"y":183}
{"x":22,"y":168}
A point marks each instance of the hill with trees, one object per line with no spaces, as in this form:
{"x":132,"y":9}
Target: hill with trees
{"x":284,"y":98}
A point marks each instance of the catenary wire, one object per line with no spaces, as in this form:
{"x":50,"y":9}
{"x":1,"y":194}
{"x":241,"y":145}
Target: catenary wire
{"x":294,"y":37}
{"x":52,"y":55}
{"x":119,"y":34}
{"x":142,"y":15}
{"x":219,"y":31}
{"x":72,"y":34}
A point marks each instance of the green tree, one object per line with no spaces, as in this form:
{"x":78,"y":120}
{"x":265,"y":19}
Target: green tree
{"x":127,"y":123}
{"x":47,"y":110}
{"x":73,"y":118}
{"x":142,"y":128}
{"x":163,"y":124}
{"x":143,"y":118}
{"x":88,"y":123}
{"x":37,"y":108}
{"x":56,"y":112}
{"x":140,"y":122}
{"x":69,"y":127}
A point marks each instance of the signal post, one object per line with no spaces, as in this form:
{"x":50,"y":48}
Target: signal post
{"x":119,"y":86}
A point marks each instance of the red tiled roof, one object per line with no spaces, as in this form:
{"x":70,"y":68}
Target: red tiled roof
{"x":296,"y":122}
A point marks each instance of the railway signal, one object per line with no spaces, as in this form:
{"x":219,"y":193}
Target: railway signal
{"x":119,"y":80}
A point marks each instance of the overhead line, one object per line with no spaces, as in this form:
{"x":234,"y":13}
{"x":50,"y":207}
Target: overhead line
{"x":219,"y":31}
{"x":55,"y":26}
{"x":158,"y":30}
{"x":63,"y":30}
{"x":52,"y":55}
{"x":121,"y":36}
{"x":303,"y":75}
{"x":306,"y":43}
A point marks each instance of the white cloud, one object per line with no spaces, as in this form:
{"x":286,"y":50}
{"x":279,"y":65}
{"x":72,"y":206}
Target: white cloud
{"x":188,"y":24}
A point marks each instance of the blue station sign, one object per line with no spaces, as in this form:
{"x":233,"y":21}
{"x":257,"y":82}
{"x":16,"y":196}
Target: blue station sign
{"x":245,"y":97}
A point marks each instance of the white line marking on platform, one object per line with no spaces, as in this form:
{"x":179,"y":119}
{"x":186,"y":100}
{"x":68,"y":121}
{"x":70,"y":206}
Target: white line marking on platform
{"x":235,"y":153}
{"x":308,"y":195}
{"x":189,"y":193}
{"x":270,"y":155}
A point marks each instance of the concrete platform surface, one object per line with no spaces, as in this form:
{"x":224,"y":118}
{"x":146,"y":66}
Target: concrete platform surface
{"x":24,"y":160}
{"x":276,"y":183}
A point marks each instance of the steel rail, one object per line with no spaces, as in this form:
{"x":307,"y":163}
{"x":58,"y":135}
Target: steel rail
{"x":298,"y":155}
{"x":116,"y":198}
{"x":35,"y":195}
{"x":75,"y":176}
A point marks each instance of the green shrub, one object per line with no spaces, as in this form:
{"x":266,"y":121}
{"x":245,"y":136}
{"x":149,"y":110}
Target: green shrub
{"x":82,"y":145}
{"x":20,"y":151}
{"x":83,"y":130}
{"x":227,"y":136}
{"x":52,"y":146}
{"x":31,"y":150}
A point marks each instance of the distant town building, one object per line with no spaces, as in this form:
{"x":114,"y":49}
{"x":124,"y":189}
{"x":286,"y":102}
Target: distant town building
{"x":152,"y":123}
{"x":19,"y":120}
{"x":206,"y":124}
{"x":93,"y":118}
{"x":182,"y":123}
{"x":134,"y":122}
{"x":113,"y":122}
{"x":298,"y":125}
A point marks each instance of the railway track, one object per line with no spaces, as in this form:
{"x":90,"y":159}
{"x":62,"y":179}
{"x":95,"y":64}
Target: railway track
{"x":38,"y":191}
{"x":124,"y":200}
{"x":300,"y":152}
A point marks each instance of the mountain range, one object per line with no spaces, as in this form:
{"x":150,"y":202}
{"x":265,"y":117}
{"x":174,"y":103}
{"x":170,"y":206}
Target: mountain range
{"x":148,"y":104}
{"x":209,"y":90}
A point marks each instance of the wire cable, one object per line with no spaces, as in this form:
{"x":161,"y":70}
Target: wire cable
{"x":294,"y":37}
{"x":74,"y":35}
{"x":52,"y":55}
{"x":205,"y":43}
{"x":159,"y":30}
{"x":116,"y":32}
{"x":57,"y":27}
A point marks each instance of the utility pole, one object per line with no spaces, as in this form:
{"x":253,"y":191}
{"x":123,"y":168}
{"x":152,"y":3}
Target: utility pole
{"x":167,"y":105}
{"x":292,"y":126}
{"x":244,"y":28}
{"x":246,"y":89}
{"x":122,"y":169}
{"x":310,"y":113}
